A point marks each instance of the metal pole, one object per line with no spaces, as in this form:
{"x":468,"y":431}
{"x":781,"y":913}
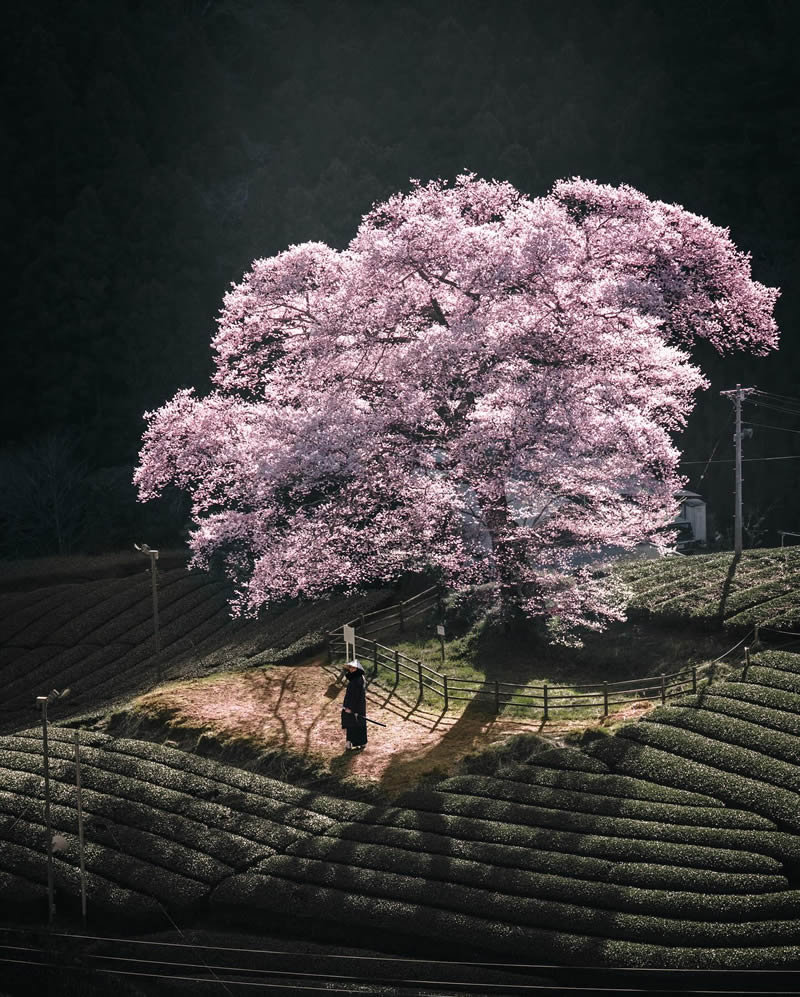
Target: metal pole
{"x":80,"y":824}
{"x":51,"y":906}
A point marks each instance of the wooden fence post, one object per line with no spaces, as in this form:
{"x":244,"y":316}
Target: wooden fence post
{"x":663,"y":689}
{"x":746,"y":662}
{"x":419,"y":677}
{"x":497,"y":696}
{"x":374,"y":657}
{"x":397,"y":666}
{"x":757,"y":637}
{"x":605,"y":698}
{"x":544,"y":691}
{"x":400,"y":611}
{"x":694,"y":678}
{"x":446,"y":696}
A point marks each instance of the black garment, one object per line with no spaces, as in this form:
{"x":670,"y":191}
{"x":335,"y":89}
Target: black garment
{"x":355,"y":699}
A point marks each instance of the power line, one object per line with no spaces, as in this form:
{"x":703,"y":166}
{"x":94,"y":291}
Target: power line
{"x":761,"y":425}
{"x":731,"y":460}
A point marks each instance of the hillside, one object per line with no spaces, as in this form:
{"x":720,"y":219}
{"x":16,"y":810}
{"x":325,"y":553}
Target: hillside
{"x":719,"y":590}
{"x":672,"y":842}
{"x":95,"y":636}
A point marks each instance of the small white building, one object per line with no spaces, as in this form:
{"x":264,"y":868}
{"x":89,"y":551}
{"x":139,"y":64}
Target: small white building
{"x":691,"y":517}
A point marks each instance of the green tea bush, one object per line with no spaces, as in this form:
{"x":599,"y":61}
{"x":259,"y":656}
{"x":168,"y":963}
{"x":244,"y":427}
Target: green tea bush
{"x":569,"y":889}
{"x":609,"y":785}
{"x":115,"y":866}
{"x":773,"y":678}
{"x":661,"y":753}
{"x":248,"y":816}
{"x":731,"y":730}
{"x":714,"y":750}
{"x":531,"y":911}
{"x":721,"y":704}
{"x":223,"y":845}
{"x":599,"y":845}
{"x":540,"y":859}
{"x":536,"y":816}
{"x":571,"y":759}
{"x":782,"y":660}
{"x":600,"y":804}
{"x":778,"y":700}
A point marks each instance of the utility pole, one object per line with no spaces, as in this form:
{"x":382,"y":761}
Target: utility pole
{"x":736,"y":396}
{"x":44,"y":701}
{"x":153,"y":555}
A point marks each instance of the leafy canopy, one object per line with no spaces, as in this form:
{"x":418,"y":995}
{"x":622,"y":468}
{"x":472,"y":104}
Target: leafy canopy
{"x":481,"y":383}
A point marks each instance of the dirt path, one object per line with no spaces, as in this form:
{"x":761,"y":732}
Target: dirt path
{"x":298,"y":708}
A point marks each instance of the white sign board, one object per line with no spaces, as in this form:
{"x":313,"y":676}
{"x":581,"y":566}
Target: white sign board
{"x":440,"y":630}
{"x":349,"y":635}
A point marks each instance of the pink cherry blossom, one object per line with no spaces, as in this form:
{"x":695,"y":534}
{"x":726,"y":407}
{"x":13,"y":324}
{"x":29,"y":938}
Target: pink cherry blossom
{"x":481,"y":384}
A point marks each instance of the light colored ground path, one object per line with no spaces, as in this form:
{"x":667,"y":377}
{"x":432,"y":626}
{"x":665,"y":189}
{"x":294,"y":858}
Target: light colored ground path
{"x":298,"y":708}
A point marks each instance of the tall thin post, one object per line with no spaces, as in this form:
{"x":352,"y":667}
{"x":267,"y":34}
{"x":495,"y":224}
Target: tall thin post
{"x":51,"y":906}
{"x":544,"y":696}
{"x":80,"y":824}
{"x":605,"y":698}
{"x":446,"y":693}
{"x":663,"y":689}
{"x":736,"y":397}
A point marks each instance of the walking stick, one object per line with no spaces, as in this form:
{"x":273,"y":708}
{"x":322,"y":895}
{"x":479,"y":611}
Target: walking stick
{"x":368,"y":719}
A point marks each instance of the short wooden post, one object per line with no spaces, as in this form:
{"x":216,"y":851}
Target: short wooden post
{"x":694,"y":678}
{"x":419,"y":677}
{"x":446,"y":695}
{"x":375,"y":657}
{"x":497,"y":696}
{"x":757,"y":638}
{"x":605,"y":698}
{"x":746,"y":663}
{"x":397,"y":666}
{"x":544,"y":696}
{"x":663,"y":689}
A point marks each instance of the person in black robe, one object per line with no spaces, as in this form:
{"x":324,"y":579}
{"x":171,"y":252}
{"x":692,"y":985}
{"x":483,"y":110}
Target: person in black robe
{"x":354,"y":707}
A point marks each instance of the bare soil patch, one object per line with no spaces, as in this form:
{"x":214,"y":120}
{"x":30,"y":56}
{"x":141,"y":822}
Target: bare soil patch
{"x":297,"y":709}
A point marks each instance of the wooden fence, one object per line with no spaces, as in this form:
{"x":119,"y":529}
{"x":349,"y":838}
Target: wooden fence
{"x":397,"y":615}
{"x":596,"y":696}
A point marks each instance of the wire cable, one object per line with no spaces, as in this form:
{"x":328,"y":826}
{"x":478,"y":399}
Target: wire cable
{"x":761,"y":425}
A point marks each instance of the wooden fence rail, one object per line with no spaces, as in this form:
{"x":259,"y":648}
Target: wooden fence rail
{"x":601,"y":696}
{"x":546,"y":698}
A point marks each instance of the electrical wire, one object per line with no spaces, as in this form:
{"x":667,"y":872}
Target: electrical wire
{"x":719,"y":440}
{"x":745,"y":460}
{"x":761,"y":425}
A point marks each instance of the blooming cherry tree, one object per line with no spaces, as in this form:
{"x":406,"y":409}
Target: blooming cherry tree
{"x":482,"y":383}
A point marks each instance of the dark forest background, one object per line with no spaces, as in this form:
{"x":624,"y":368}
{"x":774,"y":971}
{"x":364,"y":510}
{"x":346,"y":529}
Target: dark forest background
{"x":156,"y":148}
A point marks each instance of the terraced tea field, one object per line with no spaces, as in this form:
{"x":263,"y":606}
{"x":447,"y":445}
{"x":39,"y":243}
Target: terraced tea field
{"x":762,"y":587}
{"x":96,"y":637}
{"x":673,"y":843}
